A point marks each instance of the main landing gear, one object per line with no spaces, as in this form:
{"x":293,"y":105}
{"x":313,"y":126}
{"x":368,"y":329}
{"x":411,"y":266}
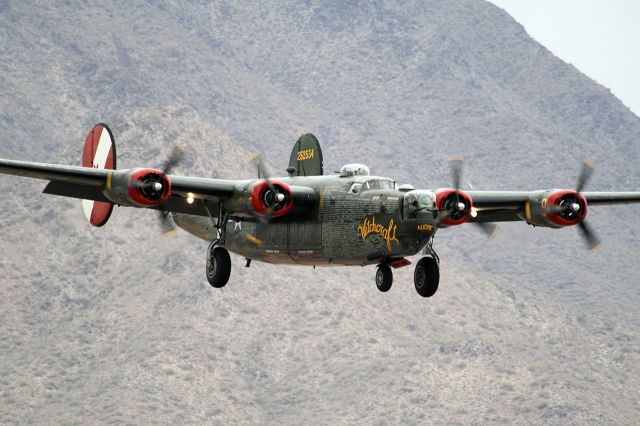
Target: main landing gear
{"x":384,"y":277}
{"x":218,"y":259}
{"x":426,"y":276}
{"x":218,"y":265}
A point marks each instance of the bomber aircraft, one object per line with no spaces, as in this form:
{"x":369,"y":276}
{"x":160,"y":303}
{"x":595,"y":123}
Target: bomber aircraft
{"x":307,"y":218}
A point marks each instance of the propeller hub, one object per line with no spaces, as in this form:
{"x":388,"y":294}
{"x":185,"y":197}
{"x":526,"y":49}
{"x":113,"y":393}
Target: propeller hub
{"x":460,"y":206}
{"x":575,"y":207}
{"x":280,"y":197}
{"x":157,"y":186}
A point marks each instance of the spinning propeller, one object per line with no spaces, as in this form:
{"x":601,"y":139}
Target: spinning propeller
{"x":154,"y":186}
{"x":572,"y":207}
{"x":455,"y":207}
{"x":174,"y":159}
{"x":274,"y":198}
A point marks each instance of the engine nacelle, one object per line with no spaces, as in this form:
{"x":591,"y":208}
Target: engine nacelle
{"x":139,"y":187}
{"x":271,"y":198}
{"x":453,"y":208}
{"x":556,"y":208}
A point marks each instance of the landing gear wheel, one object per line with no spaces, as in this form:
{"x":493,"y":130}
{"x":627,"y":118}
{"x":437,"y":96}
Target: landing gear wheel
{"x":218,"y":266}
{"x":426,"y":276}
{"x":384,"y":278}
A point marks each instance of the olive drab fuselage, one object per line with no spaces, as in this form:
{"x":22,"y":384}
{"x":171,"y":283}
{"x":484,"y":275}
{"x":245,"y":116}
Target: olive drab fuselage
{"x":358,"y":220}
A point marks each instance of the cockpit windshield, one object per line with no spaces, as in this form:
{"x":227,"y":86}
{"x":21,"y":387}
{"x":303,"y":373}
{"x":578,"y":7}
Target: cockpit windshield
{"x":418,"y":201}
{"x":357,"y":187}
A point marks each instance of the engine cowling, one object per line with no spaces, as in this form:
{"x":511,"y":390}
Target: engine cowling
{"x":454,"y":207}
{"x":271,"y":198}
{"x":149,"y":187}
{"x":556,"y":208}
{"x":139,"y":187}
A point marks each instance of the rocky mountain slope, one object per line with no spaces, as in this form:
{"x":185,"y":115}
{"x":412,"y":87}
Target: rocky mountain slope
{"x":117,"y":324}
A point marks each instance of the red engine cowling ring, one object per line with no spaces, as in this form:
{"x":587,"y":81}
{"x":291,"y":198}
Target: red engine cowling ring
{"x":257,"y":197}
{"x":137,"y":191}
{"x":442,"y":195}
{"x":554,"y":200}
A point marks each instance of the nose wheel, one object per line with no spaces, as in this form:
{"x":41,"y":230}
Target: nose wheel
{"x":426,"y":276}
{"x":218,"y":265}
{"x":384,"y":278}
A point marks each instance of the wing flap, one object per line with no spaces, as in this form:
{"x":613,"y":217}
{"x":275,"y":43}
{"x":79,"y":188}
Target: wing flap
{"x":197,"y":208}
{"x":73,"y":190}
{"x":500,"y":215}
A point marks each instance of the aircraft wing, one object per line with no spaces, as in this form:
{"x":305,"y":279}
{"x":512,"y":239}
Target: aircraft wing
{"x":502,"y":206}
{"x":90,"y":184}
{"x":101,"y":188}
{"x":101,"y":185}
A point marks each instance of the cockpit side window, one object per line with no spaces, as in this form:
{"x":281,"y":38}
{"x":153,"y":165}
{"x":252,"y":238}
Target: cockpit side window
{"x":378,"y":184}
{"x":410,"y":206}
{"x":386,"y":184}
{"x":355,"y":188}
{"x":358,"y":187}
{"x":418,"y":202}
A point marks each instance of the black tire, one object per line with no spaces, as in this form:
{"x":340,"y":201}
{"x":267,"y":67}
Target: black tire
{"x":384,"y":278}
{"x":218,"y":266}
{"x":426,"y":276}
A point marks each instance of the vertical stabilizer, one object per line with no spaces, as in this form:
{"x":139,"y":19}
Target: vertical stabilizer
{"x":306,"y":157}
{"x":99,"y":153}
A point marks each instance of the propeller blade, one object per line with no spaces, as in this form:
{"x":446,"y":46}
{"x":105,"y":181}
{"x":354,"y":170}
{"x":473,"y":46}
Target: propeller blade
{"x":589,"y":236}
{"x":138,"y":184}
{"x":490,"y":229}
{"x":456,"y":174}
{"x":585,"y":174}
{"x":166,"y":224}
{"x":175,"y":158}
{"x":252,"y":238}
{"x":256,"y":157}
{"x":266,"y":216}
{"x":441,"y":215}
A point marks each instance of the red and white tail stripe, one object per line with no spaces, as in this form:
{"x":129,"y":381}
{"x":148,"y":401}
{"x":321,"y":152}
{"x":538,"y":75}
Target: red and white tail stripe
{"x":100,"y":153}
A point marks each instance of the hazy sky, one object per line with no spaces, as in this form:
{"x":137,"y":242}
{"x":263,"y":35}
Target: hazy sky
{"x":599,"y":37}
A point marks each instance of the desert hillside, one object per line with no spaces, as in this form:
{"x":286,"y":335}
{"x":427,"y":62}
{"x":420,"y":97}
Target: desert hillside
{"x":118,"y":325}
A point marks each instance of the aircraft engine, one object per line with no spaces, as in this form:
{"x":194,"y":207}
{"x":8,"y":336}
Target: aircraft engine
{"x":140,"y":187}
{"x":271,"y":198}
{"x":556,"y":209}
{"x":454,"y":207}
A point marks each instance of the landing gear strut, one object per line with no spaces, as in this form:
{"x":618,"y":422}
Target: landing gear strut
{"x":218,"y":265}
{"x":426,"y":276}
{"x":218,"y":259}
{"x":384,"y":277}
